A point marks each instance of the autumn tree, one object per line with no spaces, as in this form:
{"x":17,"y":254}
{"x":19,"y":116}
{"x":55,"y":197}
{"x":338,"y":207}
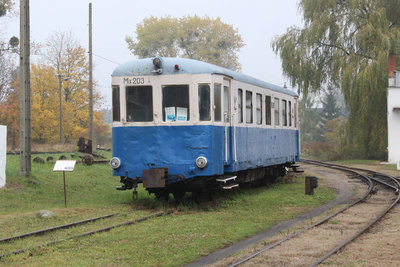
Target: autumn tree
{"x":67,"y":59}
{"x":346,"y":43}
{"x":9,"y":115}
{"x":201,"y":38}
{"x":7,"y":66}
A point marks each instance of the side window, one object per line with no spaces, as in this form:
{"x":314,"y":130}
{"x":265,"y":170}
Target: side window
{"x":217,"y":102}
{"x":295,"y":114}
{"x":258,"y":109}
{"x":139,"y":103}
{"x":116,"y":104}
{"x":204,"y":102}
{"x":226,"y":104}
{"x":249,"y":107}
{"x":240,"y":105}
{"x":175,"y":102}
{"x":268,"y":110}
{"x":284,"y":113}
{"x":276,"y":108}
{"x":290,"y":113}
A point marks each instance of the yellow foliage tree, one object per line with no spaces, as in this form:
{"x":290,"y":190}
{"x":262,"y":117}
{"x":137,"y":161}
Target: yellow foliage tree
{"x":68,"y":63}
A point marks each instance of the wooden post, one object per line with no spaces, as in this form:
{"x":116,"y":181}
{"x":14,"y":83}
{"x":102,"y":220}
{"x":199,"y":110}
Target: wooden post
{"x":65,"y":191}
{"x":90,"y":76}
{"x":25,"y":95}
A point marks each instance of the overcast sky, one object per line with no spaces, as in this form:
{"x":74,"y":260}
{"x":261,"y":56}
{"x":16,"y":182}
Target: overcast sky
{"x":258,"y":22}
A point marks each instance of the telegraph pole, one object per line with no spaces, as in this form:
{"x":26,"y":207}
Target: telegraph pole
{"x":25,"y":96}
{"x":90,"y":76}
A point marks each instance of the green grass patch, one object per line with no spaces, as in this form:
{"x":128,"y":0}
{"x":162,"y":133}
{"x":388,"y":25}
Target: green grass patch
{"x":192,"y":231}
{"x":358,"y":161}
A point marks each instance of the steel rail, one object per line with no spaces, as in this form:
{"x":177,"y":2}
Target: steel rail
{"x":277,"y":243}
{"x":364,"y":229}
{"x":105,"y":229}
{"x":64,"y":226}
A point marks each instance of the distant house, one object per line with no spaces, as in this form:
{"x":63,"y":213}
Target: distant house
{"x":393,"y":119}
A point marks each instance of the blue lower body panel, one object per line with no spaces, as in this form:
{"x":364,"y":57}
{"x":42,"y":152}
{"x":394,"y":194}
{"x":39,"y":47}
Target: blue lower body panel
{"x":177,"y":148}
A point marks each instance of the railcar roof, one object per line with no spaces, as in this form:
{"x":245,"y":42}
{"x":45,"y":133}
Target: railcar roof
{"x":145,"y":67}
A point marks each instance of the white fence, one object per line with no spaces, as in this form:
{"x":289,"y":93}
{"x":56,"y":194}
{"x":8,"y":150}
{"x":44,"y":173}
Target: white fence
{"x":3,"y":151}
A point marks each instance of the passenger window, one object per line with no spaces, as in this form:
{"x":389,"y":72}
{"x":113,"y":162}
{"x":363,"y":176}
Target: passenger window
{"x":258,"y":109}
{"x":276,"y":107}
{"x":217,"y":102}
{"x":268,"y":110}
{"x":116,"y":103}
{"x":204,"y":102}
{"x":284,"y":113}
{"x":139,"y":103}
{"x":290,"y":113}
{"x":226,"y":104}
{"x":249,"y":107}
{"x":240,"y":105}
{"x":175,"y":103}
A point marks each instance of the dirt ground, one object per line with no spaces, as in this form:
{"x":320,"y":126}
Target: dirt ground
{"x":375,"y":248}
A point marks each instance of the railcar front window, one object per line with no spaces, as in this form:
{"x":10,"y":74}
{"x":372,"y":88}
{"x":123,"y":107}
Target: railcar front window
{"x":217,"y":102}
{"x":240,"y":105}
{"x":268,"y":110}
{"x":284,"y":113}
{"x":290,"y":113}
{"x":116,"y":103}
{"x":139,"y":103}
{"x":276,"y":107}
{"x":258,"y":109}
{"x":175,"y":103}
{"x":204,"y":102}
{"x":249,"y":107}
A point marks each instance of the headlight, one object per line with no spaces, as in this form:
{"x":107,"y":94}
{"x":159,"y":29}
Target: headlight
{"x":115,"y":163}
{"x":201,"y":162}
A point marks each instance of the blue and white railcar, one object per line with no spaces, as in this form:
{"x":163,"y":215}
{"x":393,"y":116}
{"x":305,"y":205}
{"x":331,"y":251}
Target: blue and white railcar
{"x":181,"y":124}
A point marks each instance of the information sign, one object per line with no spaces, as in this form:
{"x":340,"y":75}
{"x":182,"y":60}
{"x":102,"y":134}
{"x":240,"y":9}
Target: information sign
{"x":64,"y":166}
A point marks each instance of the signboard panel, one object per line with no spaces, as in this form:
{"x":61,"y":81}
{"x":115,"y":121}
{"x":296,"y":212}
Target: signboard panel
{"x":64,"y":166}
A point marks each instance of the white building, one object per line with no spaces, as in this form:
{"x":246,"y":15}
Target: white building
{"x":3,"y":151}
{"x":393,"y":119}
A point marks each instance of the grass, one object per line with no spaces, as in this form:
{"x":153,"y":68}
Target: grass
{"x":192,"y":231}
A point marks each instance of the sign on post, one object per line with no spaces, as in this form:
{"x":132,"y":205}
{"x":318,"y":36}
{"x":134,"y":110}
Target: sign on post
{"x":64,"y":166}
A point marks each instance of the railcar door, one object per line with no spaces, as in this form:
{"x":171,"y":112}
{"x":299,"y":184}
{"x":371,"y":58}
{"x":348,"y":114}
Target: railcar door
{"x":227,"y":119}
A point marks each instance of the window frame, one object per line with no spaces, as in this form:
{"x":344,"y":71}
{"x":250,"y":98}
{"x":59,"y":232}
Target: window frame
{"x":129,"y":106}
{"x":116,"y":103}
{"x":240,"y":105}
{"x":201,"y":104}
{"x":250,"y":107}
{"x":176,"y":111}
{"x":276,"y":111}
{"x":217,"y":108}
{"x":284,"y":112}
{"x":259,"y":109}
{"x":268,"y":109}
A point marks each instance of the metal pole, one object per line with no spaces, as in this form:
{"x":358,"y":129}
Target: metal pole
{"x":60,"y":87}
{"x":90,"y":77}
{"x":25,"y":96}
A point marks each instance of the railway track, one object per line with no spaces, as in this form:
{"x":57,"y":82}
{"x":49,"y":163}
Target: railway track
{"x":69,"y":225}
{"x":332,"y":233}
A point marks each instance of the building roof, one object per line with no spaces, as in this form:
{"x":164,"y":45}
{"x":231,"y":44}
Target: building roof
{"x":145,"y":67}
